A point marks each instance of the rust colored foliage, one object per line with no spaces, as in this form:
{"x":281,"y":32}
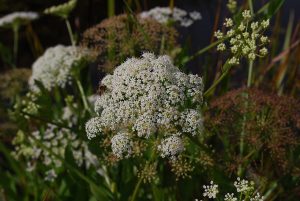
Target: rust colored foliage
{"x":119,"y":37}
{"x":271,"y":126}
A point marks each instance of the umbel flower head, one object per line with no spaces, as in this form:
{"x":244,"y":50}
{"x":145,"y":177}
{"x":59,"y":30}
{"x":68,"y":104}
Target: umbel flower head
{"x":148,"y":99}
{"x":245,"y":39}
{"x":56,"y":66}
{"x":55,"y":139}
{"x":17,"y":18}
{"x":62,"y":10}
{"x":244,"y":191}
{"x":165,"y":15}
{"x":112,"y":37}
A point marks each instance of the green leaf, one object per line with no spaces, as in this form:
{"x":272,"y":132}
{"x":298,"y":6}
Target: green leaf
{"x":271,"y":8}
{"x":274,"y":6}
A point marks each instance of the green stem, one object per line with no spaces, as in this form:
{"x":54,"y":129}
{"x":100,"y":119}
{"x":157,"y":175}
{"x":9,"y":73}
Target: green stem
{"x":16,"y":43}
{"x":136,"y":189}
{"x":202,"y":51}
{"x":242,"y":143}
{"x":138,"y":184}
{"x":111,"y":8}
{"x":71,"y":35}
{"x":251,"y":7}
{"x":271,"y":190}
{"x":250,"y":72}
{"x":227,"y":67}
{"x":162,"y":44}
{"x":83,"y":96}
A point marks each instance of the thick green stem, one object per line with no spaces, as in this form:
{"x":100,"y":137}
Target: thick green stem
{"x":250,"y":72}
{"x":111,"y":8}
{"x":227,"y":67}
{"x":71,"y":35}
{"x":16,"y":43}
{"x":83,"y":96}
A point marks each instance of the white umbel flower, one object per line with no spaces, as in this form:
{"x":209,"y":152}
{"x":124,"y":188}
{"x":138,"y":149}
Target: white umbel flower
{"x":165,"y":14}
{"x":18,"y":18}
{"x":243,"y":186}
{"x":230,"y":197}
{"x":93,"y":127}
{"x":50,"y":175}
{"x":171,"y":147}
{"x":257,"y":197}
{"x":147,"y":95}
{"x":54,"y":67}
{"x":211,"y":190}
{"x":121,"y":145}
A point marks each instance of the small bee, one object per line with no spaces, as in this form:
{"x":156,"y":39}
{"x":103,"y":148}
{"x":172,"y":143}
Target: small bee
{"x":101,"y":89}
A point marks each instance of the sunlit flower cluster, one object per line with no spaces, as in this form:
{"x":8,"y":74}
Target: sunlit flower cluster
{"x":18,"y":17}
{"x":148,"y":98}
{"x":166,"y":14}
{"x":245,"y":191}
{"x":245,"y":39}
{"x":56,"y":65}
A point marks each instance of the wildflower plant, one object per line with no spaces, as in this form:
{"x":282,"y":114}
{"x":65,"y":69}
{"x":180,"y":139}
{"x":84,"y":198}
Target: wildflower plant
{"x":244,"y":39}
{"x":148,"y":99}
{"x":245,"y":191}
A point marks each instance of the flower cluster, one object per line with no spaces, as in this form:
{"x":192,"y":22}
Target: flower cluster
{"x":56,"y":65}
{"x":245,"y":191}
{"x":17,"y":18}
{"x":148,"y":98}
{"x":62,"y":10}
{"x":56,"y":139}
{"x":171,"y":146}
{"x":211,"y":190}
{"x":246,"y":38}
{"x":232,"y":5}
{"x":243,"y":186}
{"x":165,"y":14}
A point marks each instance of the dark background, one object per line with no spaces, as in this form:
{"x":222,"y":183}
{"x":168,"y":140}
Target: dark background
{"x":51,"y":30}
